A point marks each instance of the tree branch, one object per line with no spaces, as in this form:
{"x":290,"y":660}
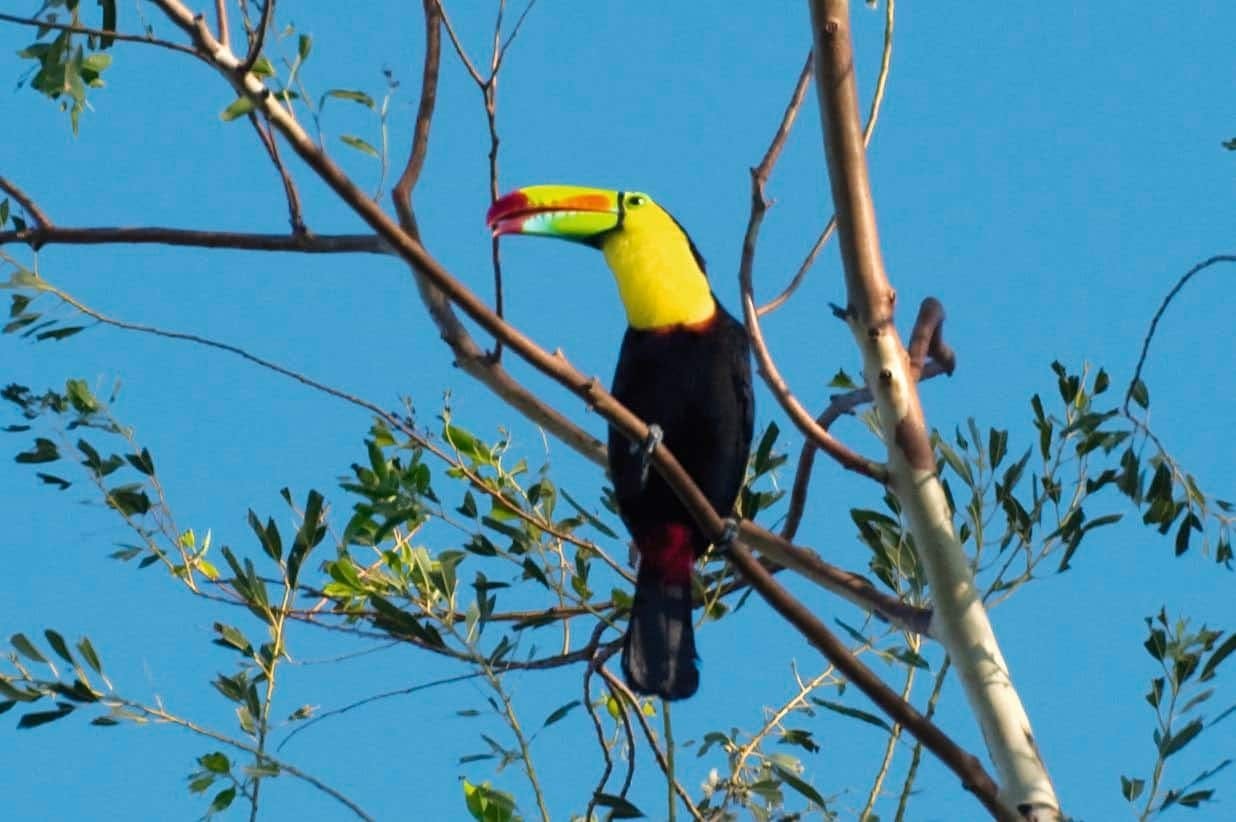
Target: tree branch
{"x":259,"y":37}
{"x":959,"y":617}
{"x":158,"y":235}
{"x":819,"y":435}
{"x":873,"y":115}
{"x":31,"y":207}
{"x":965,"y":765}
{"x":113,"y":35}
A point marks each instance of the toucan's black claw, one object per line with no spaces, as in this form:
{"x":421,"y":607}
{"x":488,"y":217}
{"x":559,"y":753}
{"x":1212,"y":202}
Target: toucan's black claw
{"x":728,"y":534}
{"x":645,"y":449}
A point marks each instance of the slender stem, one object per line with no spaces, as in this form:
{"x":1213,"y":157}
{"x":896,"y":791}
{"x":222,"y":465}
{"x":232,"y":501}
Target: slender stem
{"x":891,"y":745}
{"x":160,"y":714}
{"x":630,"y":705}
{"x":114,"y":35}
{"x":671,"y":803}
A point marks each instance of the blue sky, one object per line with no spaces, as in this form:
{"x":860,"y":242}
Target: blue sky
{"x":1047,"y":171}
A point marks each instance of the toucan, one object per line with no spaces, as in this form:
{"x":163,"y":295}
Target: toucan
{"x":684,"y":367}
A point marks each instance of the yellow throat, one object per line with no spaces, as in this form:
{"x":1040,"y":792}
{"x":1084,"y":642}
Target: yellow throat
{"x":660,"y":282}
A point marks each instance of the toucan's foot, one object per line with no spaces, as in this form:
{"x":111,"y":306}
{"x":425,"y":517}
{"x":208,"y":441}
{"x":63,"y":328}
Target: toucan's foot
{"x":728,"y":534}
{"x":645,"y":449}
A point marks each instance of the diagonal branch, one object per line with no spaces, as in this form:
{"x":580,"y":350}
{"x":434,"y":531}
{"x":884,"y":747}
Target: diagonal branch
{"x":469,"y":355}
{"x":873,"y":115}
{"x":259,"y":37}
{"x":959,"y":616}
{"x":112,"y":35}
{"x":32,"y":208}
{"x":965,"y":765}
{"x":819,"y":435}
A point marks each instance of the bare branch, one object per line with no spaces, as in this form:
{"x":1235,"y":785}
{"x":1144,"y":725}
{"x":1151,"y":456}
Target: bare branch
{"x":873,"y":115}
{"x":267,"y":138}
{"x":768,"y":369}
{"x":459,"y":49}
{"x":1158,"y":315}
{"x":259,"y":37}
{"x":631,"y":705}
{"x":221,"y":16}
{"x":31,"y":207}
{"x":158,"y":235}
{"x":840,"y":405}
{"x":123,"y":38}
{"x":927,"y":340}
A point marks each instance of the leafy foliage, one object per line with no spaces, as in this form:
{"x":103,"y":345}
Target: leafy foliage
{"x":1189,"y":660}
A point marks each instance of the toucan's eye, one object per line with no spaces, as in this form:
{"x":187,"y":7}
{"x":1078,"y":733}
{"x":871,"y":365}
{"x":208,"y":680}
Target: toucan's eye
{"x":636,"y":200}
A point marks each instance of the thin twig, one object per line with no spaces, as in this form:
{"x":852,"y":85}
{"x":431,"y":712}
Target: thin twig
{"x":873,"y":115}
{"x":598,"y":660}
{"x":894,"y":736}
{"x":965,"y":765}
{"x":258,"y":40}
{"x":161,"y":715}
{"x":31,"y":207}
{"x":267,"y":139}
{"x":221,"y":17}
{"x":1158,"y":315}
{"x":839,"y":405}
{"x":113,"y":35}
{"x":459,"y":49}
{"x":630,"y":704}
{"x":916,"y":756}
{"x":160,"y":235}
{"x":845,"y":456}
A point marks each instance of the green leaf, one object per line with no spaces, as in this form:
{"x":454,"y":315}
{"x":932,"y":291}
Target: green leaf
{"x":1173,"y":742}
{"x":88,"y":653}
{"x":142,"y":461}
{"x":58,"y":333}
{"x":52,"y":479}
{"x":58,"y":645}
{"x":304,"y":45}
{"x":359,"y":144}
{"x":216,"y":762}
{"x":842,"y":380}
{"x":561,"y":712}
{"x":1131,"y":788}
{"x":1221,"y":653}
{"x":43,"y":717}
{"x":348,"y":94}
{"x":592,"y":520}
{"x":486,"y":804}
{"x":263,"y":68}
{"x":96,"y":63}
{"x":1140,"y":393}
{"x":619,"y":807}
{"x":800,"y":786}
{"x":239,"y":108}
{"x":222,"y":801}
{"x":26,"y":648}
{"x":846,"y":710}
{"x":81,"y":397}
{"x":44,"y":451}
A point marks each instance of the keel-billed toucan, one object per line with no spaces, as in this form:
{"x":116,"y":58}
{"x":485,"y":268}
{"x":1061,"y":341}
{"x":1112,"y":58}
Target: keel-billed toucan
{"x":685,"y":367}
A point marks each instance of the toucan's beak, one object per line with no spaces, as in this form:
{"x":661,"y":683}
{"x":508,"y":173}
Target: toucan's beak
{"x":567,"y":212}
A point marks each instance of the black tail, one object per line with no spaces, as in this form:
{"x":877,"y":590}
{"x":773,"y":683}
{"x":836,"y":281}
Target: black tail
{"x":658,"y":657}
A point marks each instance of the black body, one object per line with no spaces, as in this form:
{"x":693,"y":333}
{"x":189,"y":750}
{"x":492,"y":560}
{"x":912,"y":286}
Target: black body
{"x":694,"y":382}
